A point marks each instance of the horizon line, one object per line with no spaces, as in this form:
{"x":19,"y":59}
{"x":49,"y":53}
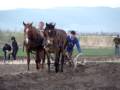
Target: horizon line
{"x":60,"y":7}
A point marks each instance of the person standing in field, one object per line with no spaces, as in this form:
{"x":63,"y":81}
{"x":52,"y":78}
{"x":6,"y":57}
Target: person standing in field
{"x":7,"y":51}
{"x":41,"y":28}
{"x":116,"y":40}
{"x":72,"y":41}
{"x":14,"y":47}
{"x":41,"y":25}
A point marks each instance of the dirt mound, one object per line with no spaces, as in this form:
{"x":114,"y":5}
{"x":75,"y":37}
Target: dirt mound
{"x":89,"y":77}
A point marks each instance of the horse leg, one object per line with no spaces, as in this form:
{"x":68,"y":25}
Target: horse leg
{"x":37,"y":60}
{"x":48,"y":59}
{"x":57,"y":62}
{"x":28,"y":59}
{"x":43,"y":59}
{"x":62,"y":62}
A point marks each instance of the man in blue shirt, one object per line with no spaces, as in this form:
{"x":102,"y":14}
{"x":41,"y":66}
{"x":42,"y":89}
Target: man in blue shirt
{"x":72,"y":41}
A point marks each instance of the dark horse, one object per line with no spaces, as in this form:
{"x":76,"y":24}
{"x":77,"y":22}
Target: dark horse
{"x":33,"y":41}
{"x":55,"y":43}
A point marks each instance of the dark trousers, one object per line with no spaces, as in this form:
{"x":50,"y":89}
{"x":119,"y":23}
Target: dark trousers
{"x":69,"y":58}
{"x":14,"y":53}
{"x":6,"y":56}
{"x":70,"y":55}
{"x":117,"y":50}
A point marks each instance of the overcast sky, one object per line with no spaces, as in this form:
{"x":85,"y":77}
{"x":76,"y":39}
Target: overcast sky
{"x":45,"y":4}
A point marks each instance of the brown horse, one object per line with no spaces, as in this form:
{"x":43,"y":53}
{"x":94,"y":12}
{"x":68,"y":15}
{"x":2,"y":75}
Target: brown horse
{"x":33,"y":41}
{"x":55,"y":43}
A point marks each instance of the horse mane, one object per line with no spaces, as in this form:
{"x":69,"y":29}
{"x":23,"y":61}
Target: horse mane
{"x":37,"y":31}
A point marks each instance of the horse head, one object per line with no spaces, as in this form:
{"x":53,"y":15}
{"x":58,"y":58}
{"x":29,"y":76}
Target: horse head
{"x":28,"y":32}
{"x":50,"y":33}
{"x":50,"y":26}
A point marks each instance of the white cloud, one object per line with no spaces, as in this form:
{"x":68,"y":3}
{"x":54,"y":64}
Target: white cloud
{"x":43,"y":4}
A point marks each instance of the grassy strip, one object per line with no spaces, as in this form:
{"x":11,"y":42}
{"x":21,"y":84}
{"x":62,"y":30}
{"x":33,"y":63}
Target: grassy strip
{"x":86,"y":52}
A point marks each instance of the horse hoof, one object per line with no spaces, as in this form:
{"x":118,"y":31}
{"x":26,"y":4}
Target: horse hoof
{"x":61,"y":70}
{"x":56,"y":70}
{"x":70,"y":65}
{"x":37,"y":68}
{"x":42,"y":67}
{"x":49,"y":71}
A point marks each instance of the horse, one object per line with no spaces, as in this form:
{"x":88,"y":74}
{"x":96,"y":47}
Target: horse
{"x":56,"y":41}
{"x":33,"y":41}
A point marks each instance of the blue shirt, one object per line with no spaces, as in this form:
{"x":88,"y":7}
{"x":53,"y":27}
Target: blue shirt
{"x":71,"y":43}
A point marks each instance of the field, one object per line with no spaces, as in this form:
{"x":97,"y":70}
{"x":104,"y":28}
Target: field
{"x":85,"y":51}
{"x":96,"y":52}
{"x":92,"y":45}
{"x":92,"y":76}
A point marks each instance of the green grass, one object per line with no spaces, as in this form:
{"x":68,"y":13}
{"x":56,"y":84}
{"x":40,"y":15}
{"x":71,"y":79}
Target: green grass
{"x":96,"y":52}
{"x":20,"y":53}
{"x":86,"y":52}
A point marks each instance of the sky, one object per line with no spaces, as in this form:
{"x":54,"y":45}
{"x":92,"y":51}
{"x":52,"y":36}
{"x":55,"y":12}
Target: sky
{"x":46,"y":4}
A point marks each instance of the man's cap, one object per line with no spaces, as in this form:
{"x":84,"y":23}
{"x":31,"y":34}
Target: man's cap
{"x":12,"y":38}
{"x":73,"y":32}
